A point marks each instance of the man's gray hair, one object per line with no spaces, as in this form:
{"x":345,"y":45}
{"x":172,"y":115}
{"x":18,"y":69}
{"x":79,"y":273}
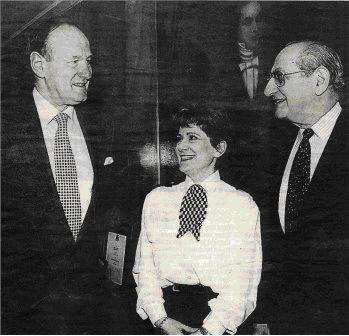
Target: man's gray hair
{"x":315,"y":54}
{"x":39,"y":40}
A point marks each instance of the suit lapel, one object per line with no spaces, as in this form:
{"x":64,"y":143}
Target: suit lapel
{"x":41,"y":180}
{"x":93,"y":139}
{"x":331,"y":155}
{"x":328,"y":185}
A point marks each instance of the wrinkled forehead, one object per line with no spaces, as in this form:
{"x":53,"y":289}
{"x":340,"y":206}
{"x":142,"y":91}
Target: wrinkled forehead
{"x":286,"y":60}
{"x":69,"y":41}
{"x":252,"y":9}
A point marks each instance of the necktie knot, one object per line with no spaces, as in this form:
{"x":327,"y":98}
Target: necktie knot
{"x":61,"y":118}
{"x":308,"y":133}
{"x":195,"y":190}
{"x":193,"y":211}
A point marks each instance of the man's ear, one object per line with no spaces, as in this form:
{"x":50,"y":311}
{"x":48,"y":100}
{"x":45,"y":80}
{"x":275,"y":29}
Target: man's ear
{"x":38,"y":64}
{"x":322,"y":76}
{"x":220,"y":149}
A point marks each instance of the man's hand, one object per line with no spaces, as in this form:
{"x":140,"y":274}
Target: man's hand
{"x":173,"y":327}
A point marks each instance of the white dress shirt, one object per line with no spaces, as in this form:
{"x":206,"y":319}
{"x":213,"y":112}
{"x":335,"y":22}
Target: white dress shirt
{"x":322,"y":131}
{"x":228,"y":257}
{"x":47,"y":113}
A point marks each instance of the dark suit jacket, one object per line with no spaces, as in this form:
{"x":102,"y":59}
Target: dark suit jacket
{"x":305,"y":280}
{"x":39,"y":256}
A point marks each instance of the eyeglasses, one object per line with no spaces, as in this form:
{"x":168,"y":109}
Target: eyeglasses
{"x":279,"y":76}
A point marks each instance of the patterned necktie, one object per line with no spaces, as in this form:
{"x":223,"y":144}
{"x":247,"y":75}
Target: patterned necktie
{"x":193,"y":211}
{"x":298,"y":182}
{"x":66,"y":175}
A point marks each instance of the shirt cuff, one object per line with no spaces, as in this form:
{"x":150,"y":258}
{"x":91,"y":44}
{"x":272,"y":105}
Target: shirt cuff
{"x":213,"y":326}
{"x":155,"y":312}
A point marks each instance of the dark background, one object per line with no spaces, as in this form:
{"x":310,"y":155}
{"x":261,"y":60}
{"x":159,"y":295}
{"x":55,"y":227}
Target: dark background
{"x":152,"y":57}
{"x":198,"y":61}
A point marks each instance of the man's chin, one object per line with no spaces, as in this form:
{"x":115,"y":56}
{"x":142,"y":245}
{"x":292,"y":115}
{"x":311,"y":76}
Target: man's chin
{"x":79,"y":100}
{"x":280,"y":114}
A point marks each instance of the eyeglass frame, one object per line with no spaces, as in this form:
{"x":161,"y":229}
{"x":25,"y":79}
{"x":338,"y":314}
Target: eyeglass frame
{"x":272,"y":75}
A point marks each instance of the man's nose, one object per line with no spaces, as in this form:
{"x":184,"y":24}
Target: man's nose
{"x":85,"y":70}
{"x":270,"y":88}
{"x":254,"y":26}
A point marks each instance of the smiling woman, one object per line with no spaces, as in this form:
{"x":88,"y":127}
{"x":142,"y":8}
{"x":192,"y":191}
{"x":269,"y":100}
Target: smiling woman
{"x":197,"y":153}
{"x":197,"y":236}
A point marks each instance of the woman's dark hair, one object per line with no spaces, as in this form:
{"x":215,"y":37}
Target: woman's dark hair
{"x":213,"y":121}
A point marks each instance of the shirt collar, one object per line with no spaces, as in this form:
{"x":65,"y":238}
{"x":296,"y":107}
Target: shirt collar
{"x":47,"y":112}
{"x":208,"y":184}
{"x":324,"y":126}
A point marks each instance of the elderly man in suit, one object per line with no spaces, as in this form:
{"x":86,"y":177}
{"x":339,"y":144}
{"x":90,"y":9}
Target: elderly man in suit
{"x":55,"y":161}
{"x":306,"y":249}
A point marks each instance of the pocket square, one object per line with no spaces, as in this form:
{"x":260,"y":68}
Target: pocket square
{"x":108,"y":160}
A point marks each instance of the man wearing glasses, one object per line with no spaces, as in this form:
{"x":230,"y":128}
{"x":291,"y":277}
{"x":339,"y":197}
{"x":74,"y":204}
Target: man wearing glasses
{"x":307,"y":245}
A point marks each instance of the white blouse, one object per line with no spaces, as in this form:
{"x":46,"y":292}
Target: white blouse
{"x":228,"y":257}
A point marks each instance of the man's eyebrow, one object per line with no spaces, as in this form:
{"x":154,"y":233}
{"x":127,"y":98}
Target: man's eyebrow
{"x":73,"y":57}
{"x":77,"y":57}
{"x":193,"y":132}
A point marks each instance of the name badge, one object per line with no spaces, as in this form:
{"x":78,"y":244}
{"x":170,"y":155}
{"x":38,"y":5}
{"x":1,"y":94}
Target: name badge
{"x":115,"y":256}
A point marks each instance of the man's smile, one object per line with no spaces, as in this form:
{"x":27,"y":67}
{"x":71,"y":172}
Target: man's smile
{"x":186,"y":157}
{"x":277,"y":101}
{"x":80,"y":84}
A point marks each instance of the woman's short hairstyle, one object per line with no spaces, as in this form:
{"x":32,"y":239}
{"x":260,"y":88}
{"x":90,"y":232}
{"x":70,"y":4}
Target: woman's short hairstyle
{"x":213,"y":121}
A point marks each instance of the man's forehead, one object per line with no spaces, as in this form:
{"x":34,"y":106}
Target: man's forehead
{"x":68,"y":39}
{"x":251,"y":9}
{"x":287,"y":58}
